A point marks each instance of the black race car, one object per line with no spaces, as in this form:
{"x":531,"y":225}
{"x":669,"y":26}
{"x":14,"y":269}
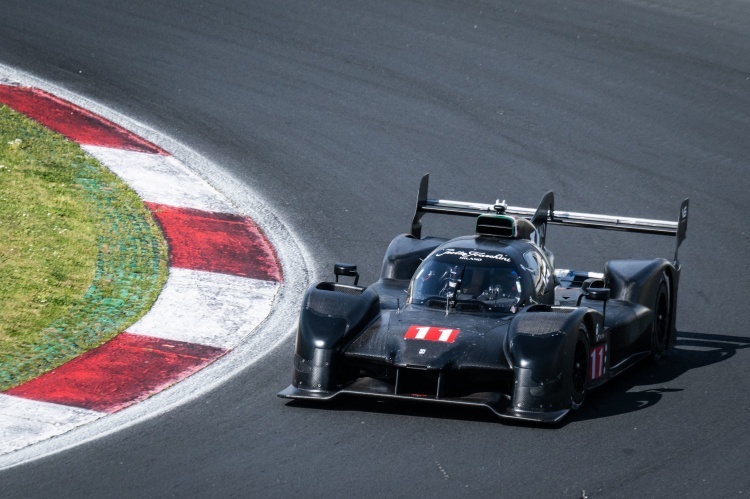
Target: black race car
{"x":486,"y":320}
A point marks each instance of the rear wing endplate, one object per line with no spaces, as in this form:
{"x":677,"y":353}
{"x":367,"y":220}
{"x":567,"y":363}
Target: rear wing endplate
{"x":545,"y":214}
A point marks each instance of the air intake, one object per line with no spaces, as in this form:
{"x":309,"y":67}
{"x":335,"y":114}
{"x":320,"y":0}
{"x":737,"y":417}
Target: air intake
{"x":496,"y":226}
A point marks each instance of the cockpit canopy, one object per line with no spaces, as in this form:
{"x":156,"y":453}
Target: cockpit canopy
{"x":469,"y":280}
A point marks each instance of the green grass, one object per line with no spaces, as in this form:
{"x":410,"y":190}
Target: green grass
{"x":81,"y":258}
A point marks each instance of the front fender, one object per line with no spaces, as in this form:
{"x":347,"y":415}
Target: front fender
{"x":331,"y":314}
{"x":540,"y":348}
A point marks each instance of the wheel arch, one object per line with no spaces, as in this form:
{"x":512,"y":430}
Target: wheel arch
{"x":673,"y":278}
{"x":638,"y":281}
{"x":331,"y":313}
{"x":541,"y":345}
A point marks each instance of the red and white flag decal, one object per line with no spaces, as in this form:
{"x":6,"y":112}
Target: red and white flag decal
{"x":597,"y":361}
{"x":431,"y":333}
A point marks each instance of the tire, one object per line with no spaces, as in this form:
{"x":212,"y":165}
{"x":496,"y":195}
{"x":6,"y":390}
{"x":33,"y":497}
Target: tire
{"x":580,"y":368}
{"x":662,"y":311}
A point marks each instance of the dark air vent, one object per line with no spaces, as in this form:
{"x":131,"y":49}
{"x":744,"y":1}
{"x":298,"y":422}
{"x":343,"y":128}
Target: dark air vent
{"x":496,"y":225}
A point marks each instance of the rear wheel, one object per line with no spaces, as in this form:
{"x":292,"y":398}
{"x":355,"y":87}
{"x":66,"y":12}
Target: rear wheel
{"x":660,"y":329}
{"x":580,"y":369}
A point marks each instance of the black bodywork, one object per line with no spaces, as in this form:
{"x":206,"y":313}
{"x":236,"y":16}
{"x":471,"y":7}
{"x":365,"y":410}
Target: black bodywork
{"x":486,"y":319}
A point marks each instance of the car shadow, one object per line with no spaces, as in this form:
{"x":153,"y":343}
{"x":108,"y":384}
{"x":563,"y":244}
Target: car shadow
{"x":620,"y":396}
{"x":635,"y":390}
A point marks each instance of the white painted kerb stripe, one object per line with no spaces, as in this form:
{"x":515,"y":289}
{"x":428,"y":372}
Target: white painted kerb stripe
{"x":161,"y":179}
{"x":24,"y":422}
{"x":207,"y":308}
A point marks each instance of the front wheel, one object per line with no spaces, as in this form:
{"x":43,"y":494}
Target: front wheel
{"x":580,"y":369}
{"x":660,"y":329}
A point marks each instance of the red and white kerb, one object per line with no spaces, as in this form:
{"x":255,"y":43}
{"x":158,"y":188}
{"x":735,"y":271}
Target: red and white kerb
{"x":223,"y":279}
{"x":431,"y":333}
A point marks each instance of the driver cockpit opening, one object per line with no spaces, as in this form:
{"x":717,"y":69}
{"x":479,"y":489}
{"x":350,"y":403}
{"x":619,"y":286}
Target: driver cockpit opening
{"x":488,"y":285}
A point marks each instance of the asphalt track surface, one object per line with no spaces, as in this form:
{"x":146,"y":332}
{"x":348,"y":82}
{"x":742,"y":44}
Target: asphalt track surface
{"x":333,"y":110}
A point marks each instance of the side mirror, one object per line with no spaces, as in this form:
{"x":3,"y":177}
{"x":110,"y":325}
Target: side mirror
{"x":346,"y":270}
{"x":601,"y":294}
{"x":594,"y":289}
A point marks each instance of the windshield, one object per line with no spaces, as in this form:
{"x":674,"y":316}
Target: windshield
{"x":479,"y":286}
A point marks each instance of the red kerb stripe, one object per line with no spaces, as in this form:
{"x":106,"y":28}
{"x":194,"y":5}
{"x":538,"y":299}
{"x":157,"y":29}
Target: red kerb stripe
{"x":217,"y":242}
{"x":76,"y":123}
{"x":123,"y":371}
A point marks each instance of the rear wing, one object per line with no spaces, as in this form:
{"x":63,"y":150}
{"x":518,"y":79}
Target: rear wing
{"x":545,"y":214}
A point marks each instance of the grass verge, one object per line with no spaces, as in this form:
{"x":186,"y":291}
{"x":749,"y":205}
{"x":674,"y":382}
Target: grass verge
{"x":81,"y":258}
